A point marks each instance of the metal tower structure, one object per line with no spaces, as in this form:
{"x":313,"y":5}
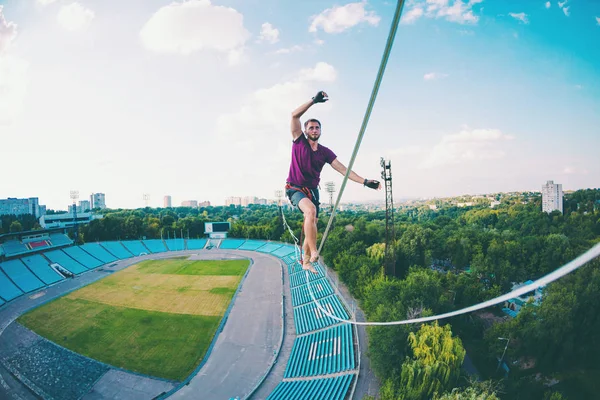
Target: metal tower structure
{"x":390,"y":232}
{"x":74,"y":194}
{"x":146,"y":198}
{"x":330,"y":188}
{"x":279,"y":195}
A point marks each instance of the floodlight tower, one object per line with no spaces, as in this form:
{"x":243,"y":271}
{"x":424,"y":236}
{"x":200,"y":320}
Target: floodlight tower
{"x":330,"y":188}
{"x":146,"y":198}
{"x":74,"y":194}
{"x":279,"y":195}
{"x":390,"y":232}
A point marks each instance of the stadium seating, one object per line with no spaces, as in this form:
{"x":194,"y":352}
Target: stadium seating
{"x":21,"y":275}
{"x":175,"y":244}
{"x":324,"y":388}
{"x":309,"y":317}
{"x":155,"y":245}
{"x":196,"y":244}
{"x":231,"y":244}
{"x":61,"y":258}
{"x":38,"y":245}
{"x":320,"y":288}
{"x":299,"y":278}
{"x":117,"y":250}
{"x":251,"y":245}
{"x":14,"y":247}
{"x":269,"y":247}
{"x":40,"y":267}
{"x":284,"y":251}
{"x":8,"y":290}
{"x":82,"y":257}
{"x":135,"y":247}
{"x":321,"y":353}
{"x":59,"y":239}
{"x":98,"y":252}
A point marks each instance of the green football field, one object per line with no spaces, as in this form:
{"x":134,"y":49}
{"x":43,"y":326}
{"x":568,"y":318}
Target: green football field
{"x":157,"y":317}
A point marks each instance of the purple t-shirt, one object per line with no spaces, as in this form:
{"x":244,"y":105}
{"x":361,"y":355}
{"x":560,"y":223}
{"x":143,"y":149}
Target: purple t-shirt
{"x":306,"y":165}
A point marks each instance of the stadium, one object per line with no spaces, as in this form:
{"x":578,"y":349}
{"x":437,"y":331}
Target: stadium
{"x":266,"y":340}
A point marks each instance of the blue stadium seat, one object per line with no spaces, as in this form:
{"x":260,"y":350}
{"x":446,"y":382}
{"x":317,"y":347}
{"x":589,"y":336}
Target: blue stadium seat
{"x":231,"y":244}
{"x":320,"y":288}
{"x":135,"y":247}
{"x":299,"y":278}
{"x":97,"y":251}
{"x":175,"y":244}
{"x":82,"y":257}
{"x":309,"y":317}
{"x":269,"y":247}
{"x":8,"y":290}
{"x":40,"y":267}
{"x":21,"y":275}
{"x":324,"y":388}
{"x":59,"y":257}
{"x":117,"y":250}
{"x":196,"y":244}
{"x":284,"y":251}
{"x":251,"y":245}
{"x":321,"y":353}
{"x":155,"y":245}
{"x":14,"y":247}
{"x":59,"y":239}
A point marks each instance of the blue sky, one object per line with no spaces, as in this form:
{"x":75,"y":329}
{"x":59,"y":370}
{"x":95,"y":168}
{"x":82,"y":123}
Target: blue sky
{"x":193,"y":99}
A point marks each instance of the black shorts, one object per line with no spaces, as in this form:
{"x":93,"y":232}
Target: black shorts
{"x":296,"y":195}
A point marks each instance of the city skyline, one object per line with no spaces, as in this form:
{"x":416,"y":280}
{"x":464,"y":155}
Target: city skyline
{"x":478,"y":96}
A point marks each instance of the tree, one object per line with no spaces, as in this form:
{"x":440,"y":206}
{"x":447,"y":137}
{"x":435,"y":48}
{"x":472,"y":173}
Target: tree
{"x":435,"y":363}
{"x":15,"y":226}
{"x":477,"y":391}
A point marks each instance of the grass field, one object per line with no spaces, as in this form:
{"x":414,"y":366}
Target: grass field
{"x":156,"y":318}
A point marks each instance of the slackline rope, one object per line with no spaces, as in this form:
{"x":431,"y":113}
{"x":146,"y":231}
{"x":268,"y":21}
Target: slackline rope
{"x":560,"y":272}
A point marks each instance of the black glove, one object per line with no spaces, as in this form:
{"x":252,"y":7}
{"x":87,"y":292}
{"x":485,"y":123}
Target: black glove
{"x":320,"y":97}
{"x":371,"y":183}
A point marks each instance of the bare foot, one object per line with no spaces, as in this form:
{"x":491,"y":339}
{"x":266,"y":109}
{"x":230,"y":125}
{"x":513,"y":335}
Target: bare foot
{"x":314,"y":257}
{"x":308,"y":266}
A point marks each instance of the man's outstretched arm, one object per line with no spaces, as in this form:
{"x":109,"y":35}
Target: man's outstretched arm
{"x":341,"y":168}
{"x":296,"y":126}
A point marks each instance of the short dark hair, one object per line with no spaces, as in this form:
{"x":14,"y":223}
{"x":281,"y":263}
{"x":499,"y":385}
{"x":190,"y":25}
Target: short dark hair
{"x":312,"y":120}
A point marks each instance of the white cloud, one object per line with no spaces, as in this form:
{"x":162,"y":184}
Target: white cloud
{"x":560,"y":5}
{"x":566,"y":11}
{"x":598,"y":20}
{"x":548,"y":4}
{"x":74,"y":17}
{"x":322,"y":72}
{"x":520,"y":16}
{"x":406,"y":151}
{"x":195,"y":25}
{"x":45,"y":2}
{"x":268,"y":33}
{"x":8,"y":31}
{"x":570,"y":170}
{"x":465,"y":146}
{"x":288,"y":50}
{"x":339,"y":18}
{"x":458,"y":11}
{"x":319,"y":42}
{"x":434,"y":75}
{"x":13,"y":74}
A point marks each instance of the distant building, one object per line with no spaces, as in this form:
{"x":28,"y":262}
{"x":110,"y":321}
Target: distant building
{"x":233,"y":201}
{"x":246,"y":201}
{"x":494,"y":203}
{"x":552,"y":197}
{"x":190,"y":203}
{"x":84,"y":206}
{"x":98,"y":200}
{"x":204,"y":204}
{"x":66,"y":220}
{"x":512,"y":307}
{"x":167,"y":202}
{"x":16,"y":206}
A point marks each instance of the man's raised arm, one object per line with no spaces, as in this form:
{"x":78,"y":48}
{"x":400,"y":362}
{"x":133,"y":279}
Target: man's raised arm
{"x":296,"y":126}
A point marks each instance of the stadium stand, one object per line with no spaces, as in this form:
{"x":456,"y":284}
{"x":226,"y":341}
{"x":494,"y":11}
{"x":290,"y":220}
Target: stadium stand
{"x":251,"y":245}
{"x":320,"y":288}
{"x":196,"y":244}
{"x":135,"y":247}
{"x":155,"y":245}
{"x":38,"y":245}
{"x":59,"y":239}
{"x":117,"y":250}
{"x":284,"y":251}
{"x":14,"y":247}
{"x":21,"y":275}
{"x":269,"y":247}
{"x":40,"y":267}
{"x":231,"y":244}
{"x":321,"y":353}
{"x":175,"y":244}
{"x":327,"y":388}
{"x":61,"y":258}
{"x":82,"y":257}
{"x":8,"y":290}
{"x":309,"y":317}
{"x":299,"y":278}
{"x":98,"y":252}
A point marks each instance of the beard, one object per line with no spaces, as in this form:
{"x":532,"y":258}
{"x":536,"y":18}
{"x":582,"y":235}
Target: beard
{"x":314,"y":138}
